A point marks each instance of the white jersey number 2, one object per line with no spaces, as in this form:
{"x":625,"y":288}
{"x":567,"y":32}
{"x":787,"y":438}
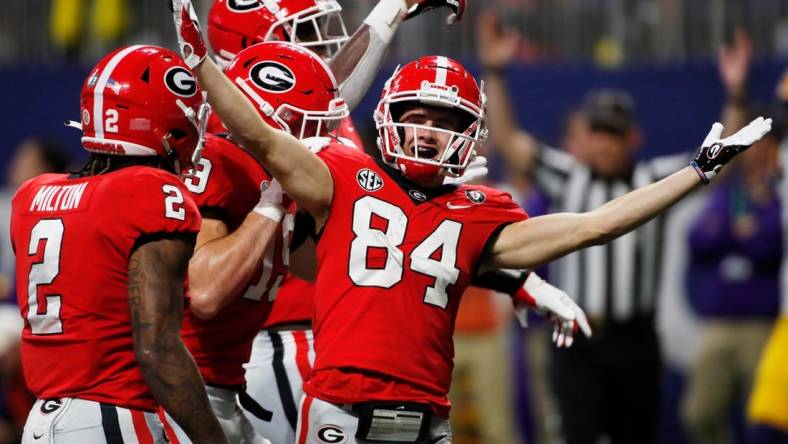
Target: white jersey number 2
{"x":44,"y":273}
{"x":444,"y":238}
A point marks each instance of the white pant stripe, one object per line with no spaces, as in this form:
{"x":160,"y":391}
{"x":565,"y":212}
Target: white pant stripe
{"x":262,"y":382}
{"x":126,"y":426}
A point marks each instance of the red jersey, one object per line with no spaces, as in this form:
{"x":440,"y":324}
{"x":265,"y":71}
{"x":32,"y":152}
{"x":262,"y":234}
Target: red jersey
{"x":227,"y":182}
{"x":393,"y":261}
{"x":73,"y":239}
{"x":294,"y":301}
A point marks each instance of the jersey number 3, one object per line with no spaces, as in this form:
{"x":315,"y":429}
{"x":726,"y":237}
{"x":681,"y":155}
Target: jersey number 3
{"x":390,"y":237}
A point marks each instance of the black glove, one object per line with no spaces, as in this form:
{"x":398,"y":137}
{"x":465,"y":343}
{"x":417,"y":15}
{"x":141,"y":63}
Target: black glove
{"x":457,"y":8}
{"x":716,"y":152}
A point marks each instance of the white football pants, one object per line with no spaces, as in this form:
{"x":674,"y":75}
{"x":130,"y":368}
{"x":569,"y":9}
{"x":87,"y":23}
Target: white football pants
{"x":72,"y":420}
{"x":280,"y":362}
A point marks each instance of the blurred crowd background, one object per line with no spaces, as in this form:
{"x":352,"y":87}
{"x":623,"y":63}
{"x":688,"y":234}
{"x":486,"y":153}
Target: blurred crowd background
{"x":618,"y":86}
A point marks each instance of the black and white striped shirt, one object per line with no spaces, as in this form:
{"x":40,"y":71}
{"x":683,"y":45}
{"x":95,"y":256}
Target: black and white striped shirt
{"x":617,"y":281}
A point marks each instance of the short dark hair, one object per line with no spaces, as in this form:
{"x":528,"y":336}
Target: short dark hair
{"x":611,"y":110}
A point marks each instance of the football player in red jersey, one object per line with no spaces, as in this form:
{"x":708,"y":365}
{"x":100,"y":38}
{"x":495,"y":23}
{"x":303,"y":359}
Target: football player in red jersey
{"x":102,"y":258}
{"x":241,"y":255}
{"x":233,"y":241}
{"x":397,"y":247}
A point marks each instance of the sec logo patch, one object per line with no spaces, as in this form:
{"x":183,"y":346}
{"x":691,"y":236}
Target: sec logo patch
{"x":369,"y":180}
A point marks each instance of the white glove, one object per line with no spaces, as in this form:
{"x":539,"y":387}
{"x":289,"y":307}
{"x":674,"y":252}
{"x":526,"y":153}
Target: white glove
{"x":187,"y":27}
{"x":555,"y":305}
{"x":476,"y":169}
{"x":714,"y":152}
{"x":272,"y":201}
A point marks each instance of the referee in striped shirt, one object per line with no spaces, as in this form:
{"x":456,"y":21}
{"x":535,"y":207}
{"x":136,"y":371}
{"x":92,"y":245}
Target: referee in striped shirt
{"x":609,"y":384}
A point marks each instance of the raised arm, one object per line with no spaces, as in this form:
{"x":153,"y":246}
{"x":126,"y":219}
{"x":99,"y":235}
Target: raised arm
{"x":496,"y":49}
{"x":734,"y":66}
{"x":302,"y":174}
{"x":539,"y":240}
{"x":357,"y":64}
{"x":155,"y":296}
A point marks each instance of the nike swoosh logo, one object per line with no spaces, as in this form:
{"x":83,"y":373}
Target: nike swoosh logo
{"x":457,"y":207}
{"x":37,"y":436}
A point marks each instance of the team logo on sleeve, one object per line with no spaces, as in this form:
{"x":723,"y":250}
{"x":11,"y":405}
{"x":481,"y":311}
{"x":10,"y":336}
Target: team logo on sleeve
{"x":180,"y":81}
{"x":244,"y":5}
{"x":272,"y":76}
{"x":331,"y":434}
{"x":475,"y":196}
{"x":369,"y":180}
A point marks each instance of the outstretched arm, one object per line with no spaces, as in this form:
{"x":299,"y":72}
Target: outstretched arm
{"x":539,"y":240}
{"x":155,"y":297}
{"x":496,"y":49}
{"x":302,"y":174}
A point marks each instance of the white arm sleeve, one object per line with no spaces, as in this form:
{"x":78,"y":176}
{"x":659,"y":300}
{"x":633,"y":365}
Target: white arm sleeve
{"x":383,"y":22}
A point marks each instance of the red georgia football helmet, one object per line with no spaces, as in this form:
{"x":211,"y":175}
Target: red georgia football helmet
{"x":291,"y":87}
{"x":236,"y":24}
{"x":144,"y":101}
{"x":435,"y":81}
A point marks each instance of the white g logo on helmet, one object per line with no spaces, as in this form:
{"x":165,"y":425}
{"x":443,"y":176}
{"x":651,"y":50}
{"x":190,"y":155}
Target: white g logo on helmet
{"x":272,"y":76}
{"x":180,"y":81}
{"x":244,"y":5}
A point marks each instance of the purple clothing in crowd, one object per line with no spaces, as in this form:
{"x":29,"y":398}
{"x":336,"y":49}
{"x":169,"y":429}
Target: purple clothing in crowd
{"x":736,"y":247}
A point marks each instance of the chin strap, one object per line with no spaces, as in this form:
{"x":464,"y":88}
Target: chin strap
{"x":172,"y":155}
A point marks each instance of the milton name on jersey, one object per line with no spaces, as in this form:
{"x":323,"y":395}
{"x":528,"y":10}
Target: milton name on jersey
{"x":73,"y":238}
